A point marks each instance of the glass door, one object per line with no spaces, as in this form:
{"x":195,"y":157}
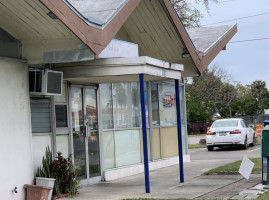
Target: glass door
{"x":85,"y":132}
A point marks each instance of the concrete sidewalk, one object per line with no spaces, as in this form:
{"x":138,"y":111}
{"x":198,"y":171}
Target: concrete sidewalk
{"x":165,"y":184}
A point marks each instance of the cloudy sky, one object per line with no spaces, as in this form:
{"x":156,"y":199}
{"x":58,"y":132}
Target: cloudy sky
{"x":245,"y":61}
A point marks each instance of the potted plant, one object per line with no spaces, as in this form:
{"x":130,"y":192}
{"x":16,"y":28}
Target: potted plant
{"x":44,"y":174}
{"x":61,"y":171}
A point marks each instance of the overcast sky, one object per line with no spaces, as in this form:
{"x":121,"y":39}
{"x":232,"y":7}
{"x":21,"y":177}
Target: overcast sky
{"x":245,"y":61}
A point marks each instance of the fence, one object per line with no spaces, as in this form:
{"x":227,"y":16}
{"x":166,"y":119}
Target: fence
{"x":257,"y":119}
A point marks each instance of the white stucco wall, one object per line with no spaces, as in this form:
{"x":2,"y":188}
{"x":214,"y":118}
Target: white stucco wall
{"x":16,"y":165}
{"x":40,"y":142}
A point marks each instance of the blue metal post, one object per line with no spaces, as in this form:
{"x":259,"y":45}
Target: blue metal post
{"x":144,"y":131}
{"x":179,"y":133}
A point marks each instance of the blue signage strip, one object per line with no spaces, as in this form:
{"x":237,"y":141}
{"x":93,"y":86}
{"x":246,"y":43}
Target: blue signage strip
{"x":179,"y":133}
{"x":144,"y":131}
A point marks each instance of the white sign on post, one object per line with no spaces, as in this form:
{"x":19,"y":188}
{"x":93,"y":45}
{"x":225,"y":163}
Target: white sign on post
{"x":246,"y":167}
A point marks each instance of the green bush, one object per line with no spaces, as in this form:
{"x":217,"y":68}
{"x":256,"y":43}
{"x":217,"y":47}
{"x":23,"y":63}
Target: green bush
{"x":62,"y":170}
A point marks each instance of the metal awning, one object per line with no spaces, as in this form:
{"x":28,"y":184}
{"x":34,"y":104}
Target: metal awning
{"x":120,"y":70}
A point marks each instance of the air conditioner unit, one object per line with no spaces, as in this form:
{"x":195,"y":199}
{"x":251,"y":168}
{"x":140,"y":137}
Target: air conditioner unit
{"x":45,"y":82}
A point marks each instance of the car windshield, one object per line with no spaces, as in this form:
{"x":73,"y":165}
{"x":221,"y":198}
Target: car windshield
{"x":227,"y":123}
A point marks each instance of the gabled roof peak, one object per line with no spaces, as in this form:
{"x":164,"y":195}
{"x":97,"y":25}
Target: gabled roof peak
{"x":95,"y":12}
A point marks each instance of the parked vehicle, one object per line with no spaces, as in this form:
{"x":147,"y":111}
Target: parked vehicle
{"x":229,"y":132}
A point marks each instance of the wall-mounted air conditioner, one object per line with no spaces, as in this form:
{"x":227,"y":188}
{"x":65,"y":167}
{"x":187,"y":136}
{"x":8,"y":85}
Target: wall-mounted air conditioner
{"x":45,"y":82}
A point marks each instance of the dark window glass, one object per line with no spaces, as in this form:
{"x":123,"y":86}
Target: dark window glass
{"x":35,"y":80}
{"x":9,"y":46}
{"x":61,"y":115}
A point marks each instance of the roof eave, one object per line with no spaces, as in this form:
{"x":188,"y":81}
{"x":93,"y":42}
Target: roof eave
{"x":96,"y":39}
{"x":183,"y":35}
{"x":208,"y":57}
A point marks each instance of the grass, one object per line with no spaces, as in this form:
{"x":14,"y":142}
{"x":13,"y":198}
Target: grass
{"x":233,"y":168}
{"x":264,"y":196}
{"x":196,"y":146}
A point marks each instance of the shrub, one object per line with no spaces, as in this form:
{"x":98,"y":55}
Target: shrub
{"x":62,"y":170}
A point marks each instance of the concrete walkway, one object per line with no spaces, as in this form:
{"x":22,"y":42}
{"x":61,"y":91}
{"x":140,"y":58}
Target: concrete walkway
{"x":165,"y":184}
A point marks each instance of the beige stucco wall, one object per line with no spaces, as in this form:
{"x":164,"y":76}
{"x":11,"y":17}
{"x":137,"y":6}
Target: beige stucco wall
{"x":16,"y":168}
{"x":169,"y":142}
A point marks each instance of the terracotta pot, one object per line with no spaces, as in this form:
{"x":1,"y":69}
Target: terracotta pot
{"x":36,"y":192}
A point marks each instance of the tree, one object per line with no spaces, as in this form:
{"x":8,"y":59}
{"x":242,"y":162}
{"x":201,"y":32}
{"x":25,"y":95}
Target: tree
{"x":261,"y":95}
{"x":209,"y":94}
{"x":190,"y":15}
{"x":229,"y":95}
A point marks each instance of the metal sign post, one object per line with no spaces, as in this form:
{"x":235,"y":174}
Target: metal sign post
{"x":144,"y":131}
{"x":179,"y":132}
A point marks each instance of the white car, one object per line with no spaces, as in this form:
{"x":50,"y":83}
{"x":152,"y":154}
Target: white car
{"x":229,"y":132}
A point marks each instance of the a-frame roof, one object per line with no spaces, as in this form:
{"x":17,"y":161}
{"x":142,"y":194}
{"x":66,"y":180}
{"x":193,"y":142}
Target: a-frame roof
{"x":153,"y":25}
{"x":97,"y":22}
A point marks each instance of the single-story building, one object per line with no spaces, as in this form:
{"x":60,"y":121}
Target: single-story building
{"x":70,"y":77}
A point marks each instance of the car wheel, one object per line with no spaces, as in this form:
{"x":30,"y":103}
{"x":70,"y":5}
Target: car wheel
{"x":245,"y":146}
{"x":253,"y":141}
{"x":210,"y":148}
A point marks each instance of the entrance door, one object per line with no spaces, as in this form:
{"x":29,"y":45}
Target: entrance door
{"x":85,"y":133}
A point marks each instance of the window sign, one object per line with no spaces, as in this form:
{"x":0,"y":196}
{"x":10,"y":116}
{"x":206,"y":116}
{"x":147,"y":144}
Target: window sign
{"x":167,"y":107}
{"x":168,"y":100}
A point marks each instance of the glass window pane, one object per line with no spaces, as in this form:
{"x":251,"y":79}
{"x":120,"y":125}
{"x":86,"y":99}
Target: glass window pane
{"x":134,"y":105}
{"x":182,"y":104}
{"x":155,"y":104}
{"x":93,"y":153}
{"x":78,"y":136}
{"x":62,"y":142}
{"x":61,"y":115}
{"x":127,"y":144}
{"x":125,"y":105}
{"x":167,"y":105}
{"x":109,"y":155}
{"x":146,"y":103}
{"x":107,"y":105}
{"x":10,"y":47}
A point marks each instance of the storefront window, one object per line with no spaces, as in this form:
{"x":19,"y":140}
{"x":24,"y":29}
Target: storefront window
{"x":167,"y":105}
{"x":62,"y":144}
{"x":109,"y":149}
{"x":125,"y":105}
{"x":127,"y":146}
{"x":107,"y":105}
{"x":155,"y":104}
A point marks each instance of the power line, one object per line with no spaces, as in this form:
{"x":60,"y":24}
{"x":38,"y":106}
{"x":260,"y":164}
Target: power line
{"x":225,"y":1}
{"x":250,"y":40}
{"x":239,"y":18}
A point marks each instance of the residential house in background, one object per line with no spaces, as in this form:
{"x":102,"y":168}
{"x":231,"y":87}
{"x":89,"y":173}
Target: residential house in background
{"x":69,"y":79}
